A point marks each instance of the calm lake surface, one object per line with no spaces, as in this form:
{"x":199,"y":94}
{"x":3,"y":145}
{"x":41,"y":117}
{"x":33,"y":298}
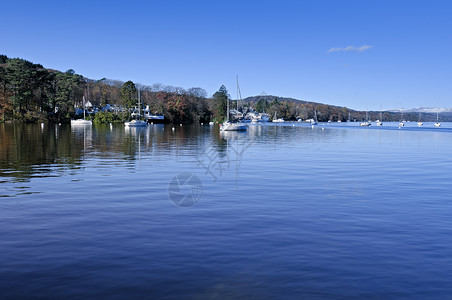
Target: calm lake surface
{"x":278,"y":212}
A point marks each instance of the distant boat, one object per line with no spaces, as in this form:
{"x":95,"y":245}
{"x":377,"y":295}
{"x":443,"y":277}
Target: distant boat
{"x":366,"y":122}
{"x":437,"y":124}
{"x":402,"y":122}
{"x":314,"y":121}
{"x":419,"y":123}
{"x":82,"y":121}
{"x":155,"y":118}
{"x":230,"y":126}
{"x":380,"y":122}
{"x":137,"y":122}
{"x":275,"y":120}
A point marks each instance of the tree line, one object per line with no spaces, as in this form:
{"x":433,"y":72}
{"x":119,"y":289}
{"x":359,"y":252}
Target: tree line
{"x":31,"y":93}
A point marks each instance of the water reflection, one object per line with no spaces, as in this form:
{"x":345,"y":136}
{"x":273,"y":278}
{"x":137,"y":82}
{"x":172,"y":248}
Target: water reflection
{"x":29,"y":150}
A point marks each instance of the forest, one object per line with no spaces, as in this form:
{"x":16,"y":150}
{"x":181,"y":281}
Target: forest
{"x":31,"y":93}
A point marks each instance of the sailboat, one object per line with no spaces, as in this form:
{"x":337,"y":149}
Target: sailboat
{"x":402,"y":122}
{"x":380,"y":121}
{"x":229,"y":126}
{"x":137,"y":122}
{"x":366,"y":121}
{"x":419,"y":123}
{"x":314,"y":121}
{"x":275,"y":120}
{"x":437,"y":124}
{"x":82,"y":121}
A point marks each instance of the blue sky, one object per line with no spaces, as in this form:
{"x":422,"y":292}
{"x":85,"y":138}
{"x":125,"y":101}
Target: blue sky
{"x":359,"y":54}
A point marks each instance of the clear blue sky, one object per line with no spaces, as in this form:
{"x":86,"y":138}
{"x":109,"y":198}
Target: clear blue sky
{"x":359,"y":54}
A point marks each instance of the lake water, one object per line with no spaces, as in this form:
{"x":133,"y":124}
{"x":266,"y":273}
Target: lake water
{"x":278,"y":212}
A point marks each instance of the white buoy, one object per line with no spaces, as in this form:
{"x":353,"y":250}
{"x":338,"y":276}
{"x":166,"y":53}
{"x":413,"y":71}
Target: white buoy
{"x":173,"y":128}
{"x":202,"y":123}
{"x":293,"y":125}
{"x":152,"y":123}
{"x":180,"y":124}
{"x":323,"y":128}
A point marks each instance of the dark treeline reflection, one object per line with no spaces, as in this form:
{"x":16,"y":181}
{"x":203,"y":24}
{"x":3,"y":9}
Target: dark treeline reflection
{"x":35,"y":150}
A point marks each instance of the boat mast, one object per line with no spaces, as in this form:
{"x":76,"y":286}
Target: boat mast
{"x":84,"y":107}
{"x":239,"y":94}
{"x":237,"y":76}
{"x":139,"y":105}
{"x":227,"y":108}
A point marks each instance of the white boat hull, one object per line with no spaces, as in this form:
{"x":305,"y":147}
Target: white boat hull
{"x":136,"y":123}
{"x":232,"y":127}
{"x":81,"y":122}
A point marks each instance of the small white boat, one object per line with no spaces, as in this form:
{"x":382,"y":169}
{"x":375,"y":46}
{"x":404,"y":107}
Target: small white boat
{"x":437,"y":123}
{"x":379,"y":122}
{"x":82,"y":121}
{"x":314,"y":120}
{"x":228,"y":126}
{"x":365,"y":122}
{"x":402,"y":122}
{"x":275,"y":120}
{"x":419,"y":123}
{"x":136,"y":123}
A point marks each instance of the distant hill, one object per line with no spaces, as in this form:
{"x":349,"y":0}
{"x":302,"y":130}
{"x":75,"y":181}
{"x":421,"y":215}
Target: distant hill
{"x":428,"y":114}
{"x":269,"y":98}
{"x":441,"y":110}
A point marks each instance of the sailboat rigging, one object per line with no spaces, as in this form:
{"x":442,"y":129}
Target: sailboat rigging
{"x":137,"y":122}
{"x":437,"y":123}
{"x":82,"y":121}
{"x":228,"y":125}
